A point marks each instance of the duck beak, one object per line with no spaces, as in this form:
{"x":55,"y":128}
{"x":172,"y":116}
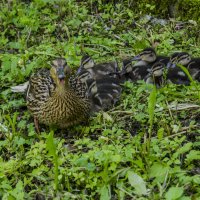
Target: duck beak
{"x":61,"y":74}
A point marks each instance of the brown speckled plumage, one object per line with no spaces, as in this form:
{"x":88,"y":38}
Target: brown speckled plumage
{"x":53,"y":103}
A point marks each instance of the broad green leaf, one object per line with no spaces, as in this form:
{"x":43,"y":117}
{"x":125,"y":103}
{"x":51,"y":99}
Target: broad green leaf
{"x":137,"y":182}
{"x":104,"y":193}
{"x":160,"y":133}
{"x":51,"y":145}
{"x":158,"y":170}
{"x":182,"y":150}
{"x":174,"y":193}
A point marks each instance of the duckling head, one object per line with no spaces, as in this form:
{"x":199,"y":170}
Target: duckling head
{"x":157,"y":69}
{"x":87,"y":62}
{"x":148,"y":55}
{"x":60,"y":72}
{"x":182,"y":58}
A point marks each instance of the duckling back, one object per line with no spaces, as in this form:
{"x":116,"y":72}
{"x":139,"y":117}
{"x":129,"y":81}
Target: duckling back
{"x":97,"y":70}
{"x":103,"y":91}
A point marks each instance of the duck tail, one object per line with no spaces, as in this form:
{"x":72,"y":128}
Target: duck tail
{"x":20,"y":88}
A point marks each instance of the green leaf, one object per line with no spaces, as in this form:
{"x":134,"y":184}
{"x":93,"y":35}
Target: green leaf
{"x":104,"y":193}
{"x":51,"y":147}
{"x":158,"y":170}
{"x":182,"y":150}
{"x":160,"y":133}
{"x":137,"y":182}
{"x":18,"y":192}
{"x":193,"y":155}
{"x":174,"y":193}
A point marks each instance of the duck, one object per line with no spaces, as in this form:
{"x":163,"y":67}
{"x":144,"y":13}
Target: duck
{"x":103,"y":97}
{"x":55,"y":97}
{"x":142,"y":67}
{"x":56,"y":100}
{"x":184,"y":59}
{"x":97,"y":70}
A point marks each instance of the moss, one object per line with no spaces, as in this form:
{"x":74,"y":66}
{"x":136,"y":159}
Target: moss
{"x":189,"y":9}
{"x":182,"y":9}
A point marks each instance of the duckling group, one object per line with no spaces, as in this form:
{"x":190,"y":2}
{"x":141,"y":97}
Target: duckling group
{"x":159,"y":70}
{"x":55,"y":97}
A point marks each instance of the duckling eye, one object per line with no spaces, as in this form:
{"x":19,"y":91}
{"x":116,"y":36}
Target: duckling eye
{"x":151,"y":55}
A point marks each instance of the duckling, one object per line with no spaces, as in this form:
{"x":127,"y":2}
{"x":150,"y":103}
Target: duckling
{"x":148,"y":57}
{"x":86,"y":63}
{"x":102,"y":101}
{"x":105,"y":87}
{"x":98,"y":70}
{"x":141,"y":69}
{"x":157,"y":75}
{"x":160,"y":75}
{"x":177,"y":76}
{"x":184,"y":59}
{"x":127,"y":73}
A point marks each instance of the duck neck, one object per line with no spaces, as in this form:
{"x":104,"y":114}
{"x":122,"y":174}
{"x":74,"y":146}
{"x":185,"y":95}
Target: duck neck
{"x":61,"y":87}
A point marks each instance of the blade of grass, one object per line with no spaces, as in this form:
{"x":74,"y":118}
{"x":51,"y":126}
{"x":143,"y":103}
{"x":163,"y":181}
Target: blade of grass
{"x":185,"y":70}
{"x":51,"y":147}
{"x":151,"y":109}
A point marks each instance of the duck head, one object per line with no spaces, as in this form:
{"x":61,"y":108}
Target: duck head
{"x":60,"y":72}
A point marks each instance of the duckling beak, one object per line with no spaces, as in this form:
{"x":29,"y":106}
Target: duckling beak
{"x":136,"y":58}
{"x":170,"y":65}
{"x":123,"y":72}
{"x":79,"y":70}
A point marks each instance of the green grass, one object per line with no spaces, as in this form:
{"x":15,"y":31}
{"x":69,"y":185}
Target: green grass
{"x":143,"y":148}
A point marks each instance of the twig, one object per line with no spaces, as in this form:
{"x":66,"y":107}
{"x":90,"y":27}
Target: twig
{"x":170,"y":113}
{"x":29,"y":34}
{"x":121,"y":111}
{"x":183,"y":130}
